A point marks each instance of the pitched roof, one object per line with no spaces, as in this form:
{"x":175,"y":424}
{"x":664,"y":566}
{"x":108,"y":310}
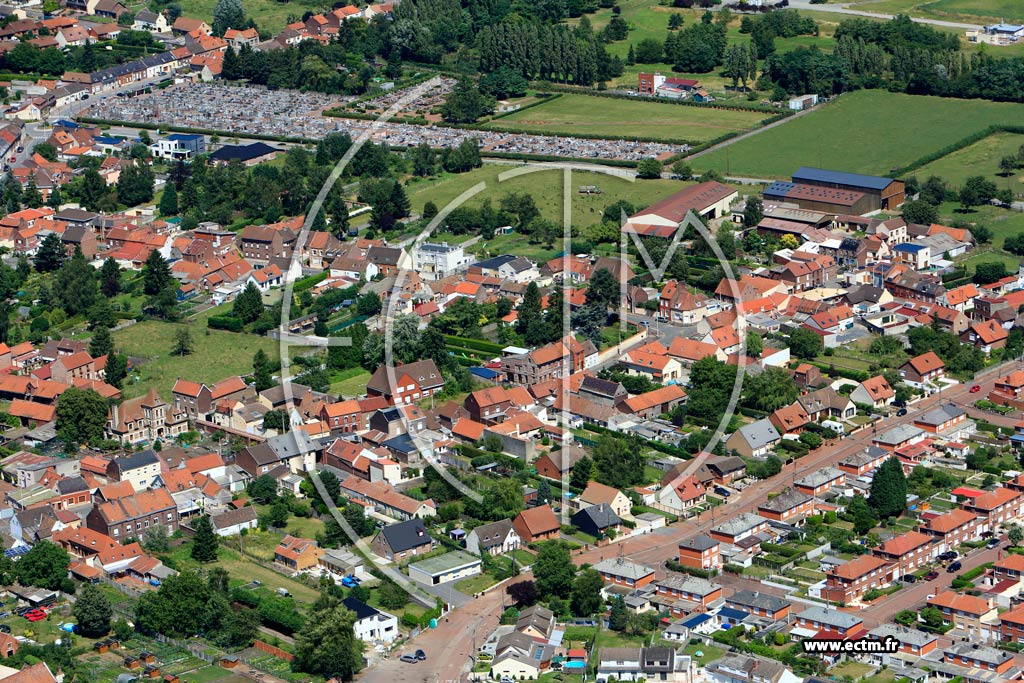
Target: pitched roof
{"x":652,"y":399}
{"x":969,"y":604}
{"x":539,"y":520}
{"x":406,"y":535}
{"x":926,"y":362}
{"x":904,"y":543}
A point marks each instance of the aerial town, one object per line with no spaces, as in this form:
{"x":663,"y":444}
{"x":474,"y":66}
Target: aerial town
{"x":444,"y":340}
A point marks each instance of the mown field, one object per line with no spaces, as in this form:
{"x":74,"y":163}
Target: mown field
{"x":981,"y":158}
{"x":217,"y":354}
{"x":868,"y":131}
{"x":614,"y":118}
{"x":969,"y":11}
{"x":270,"y":16}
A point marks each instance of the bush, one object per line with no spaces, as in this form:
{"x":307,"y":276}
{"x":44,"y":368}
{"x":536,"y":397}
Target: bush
{"x":225,"y":322}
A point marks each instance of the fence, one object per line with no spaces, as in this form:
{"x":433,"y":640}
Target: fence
{"x":271,"y":650}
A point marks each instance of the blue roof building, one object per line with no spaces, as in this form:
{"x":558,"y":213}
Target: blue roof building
{"x":887,"y":193}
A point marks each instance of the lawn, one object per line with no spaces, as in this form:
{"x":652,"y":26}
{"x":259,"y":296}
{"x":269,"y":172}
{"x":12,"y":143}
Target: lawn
{"x":1001,"y":222}
{"x":216,"y":355}
{"x":270,"y":16}
{"x":350,"y":383}
{"x":708,"y":653}
{"x":615,"y":118}
{"x":606,"y":638}
{"x":981,"y":158}
{"x":240,"y":567}
{"x":854,"y":670}
{"x":475,"y":584}
{"x":546,"y":188}
{"x":835,"y":136}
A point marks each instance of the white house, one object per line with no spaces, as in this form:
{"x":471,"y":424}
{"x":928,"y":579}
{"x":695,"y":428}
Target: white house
{"x":232,"y":522}
{"x":372,"y":625}
{"x":496,"y":538}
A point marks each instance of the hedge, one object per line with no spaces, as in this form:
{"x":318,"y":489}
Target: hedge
{"x":225,"y":322}
{"x":958,"y":145}
{"x":198,"y":131}
{"x":309,"y":282}
{"x":836,"y":371}
{"x":660,"y":447}
{"x":475,"y":344}
{"x":662,"y":100}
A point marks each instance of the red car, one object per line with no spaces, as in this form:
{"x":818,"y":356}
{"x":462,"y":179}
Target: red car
{"x":35,"y":615}
{"x":976,"y":388}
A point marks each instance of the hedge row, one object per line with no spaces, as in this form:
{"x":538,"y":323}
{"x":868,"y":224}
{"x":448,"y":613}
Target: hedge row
{"x":225,"y":322}
{"x":846,"y":373}
{"x":662,"y":100}
{"x":475,"y":344}
{"x":309,"y":282}
{"x":568,"y":134}
{"x":198,"y":131}
{"x":342,"y":114}
{"x":544,"y":100}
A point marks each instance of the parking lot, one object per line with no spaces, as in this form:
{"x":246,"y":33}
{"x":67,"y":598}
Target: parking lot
{"x":256,"y":110}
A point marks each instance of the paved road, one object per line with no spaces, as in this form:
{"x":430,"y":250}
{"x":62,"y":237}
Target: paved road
{"x":838,"y":9}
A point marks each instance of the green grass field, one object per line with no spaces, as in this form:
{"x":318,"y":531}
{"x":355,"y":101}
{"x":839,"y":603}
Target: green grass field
{"x":970,"y":11}
{"x":588,"y":115}
{"x":270,"y":16}
{"x":217,"y":355}
{"x":981,"y":158}
{"x":868,"y":131}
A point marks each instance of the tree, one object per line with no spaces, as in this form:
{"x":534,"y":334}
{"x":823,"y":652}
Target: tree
{"x":183,"y":345}
{"x":110,"y":278}
{"x":155,"y":539}
{"x":906,"y":617}
{"x":864,"y":518}
{"x":1008,"y":164}
{"x":101,"y":343}
{"x":617,"y":462}
{"x":205,"y":541}
{"x":582,"y":471}
{"x":117,"y":369}
{"x":553,"y":569}
{"x":920,"y":212}
{"x":603,"y":290}
{"x":169,"y":199}
{"x":262,"y":489}
{"x":770,"y":390}
{"x":523,"y":593}
{"x":262,"y":375}
{"x":987,"y":273}
{"x":888,"y":493}
{"x":649,"y":169}
{"x":544,"y":491}
{"x":1015,"y":534}
{"x":586,"y":593}
{"x":156,"y":274}
{"x":392,"y":596}
{"x":184,"y":605}
{"x":227,"y":14}
{"x":92,"y":611}
{"x":135,"y":184}
{"x":81,"y":416}
{"x":327,"y":645}
{"x":503,"y":499}
{"x":45,"y":565}
{"x":50,"y":254}
{"x":466,"y":103}
{"x":618,"y":616}
{"x":805,"y":343}
{"x":755,"y":346}
{"x":248,"y":306}
{"x":981,"y":234}
{"x":682,"y":170}
{"x":753,"y":212}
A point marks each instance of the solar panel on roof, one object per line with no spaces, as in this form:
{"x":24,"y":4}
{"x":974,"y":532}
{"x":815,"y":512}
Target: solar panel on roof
{"x":822,"y":175}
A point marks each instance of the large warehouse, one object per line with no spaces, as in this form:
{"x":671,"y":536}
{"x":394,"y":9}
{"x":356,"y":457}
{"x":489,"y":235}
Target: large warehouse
{"x":884,"y":193}
{"x":827,"y":199}
{"x":662,"y":219}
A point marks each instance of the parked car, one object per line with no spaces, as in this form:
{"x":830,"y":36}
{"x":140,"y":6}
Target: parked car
{"x":409,"y":659}
{"x":901,"y":412}
{"x":931,"y":576}
{"x":723,"y":491}
{"x":954,"y":567}
{"x":4,"y":628}
{"x":948,"y":556}
{"x":421,"y":655}
{"x":909,"y":578}
{"x":992,"y":543}
{"x":976,"y":388}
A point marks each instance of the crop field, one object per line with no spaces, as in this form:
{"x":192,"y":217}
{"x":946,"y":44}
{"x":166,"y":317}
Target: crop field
{"x":981,"y":158}
{"x":868,"y":131}
{"x":970,"y":11}
{"x":615,"y":118}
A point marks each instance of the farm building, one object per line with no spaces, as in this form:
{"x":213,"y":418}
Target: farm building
{"x":816,"y":198}
{"x":662,"y":219}
{"x":884,"y":193}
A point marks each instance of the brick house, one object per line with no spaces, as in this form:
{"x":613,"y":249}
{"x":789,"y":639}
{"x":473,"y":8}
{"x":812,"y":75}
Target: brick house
{"x":412,"y":382}
{"x":1010,"y":567}
{"x":924,"y":369}
{"x":129,"y":517}
{"x":954,"y":528}
{"x":689,"y":588}
{"x":700,"y":552}
{"x":760,"y":604}
{"x":298,"y":554}
{"x":405,"y":539}
{"x":620,"y":572}
{"x":818,"y":618}
{"x":488,"y":406}
{"x":976,"y":616}
{"x":849,"y":581}
{"x":787,"y":506}
{"x":537,"y":524}
{"x":973,"y":656}
{"x":820,"y":481}
{"x":907,"y":551}
{"x":997,"y":506}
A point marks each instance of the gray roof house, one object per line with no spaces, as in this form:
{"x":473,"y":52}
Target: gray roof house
{"x":755,"y":439}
